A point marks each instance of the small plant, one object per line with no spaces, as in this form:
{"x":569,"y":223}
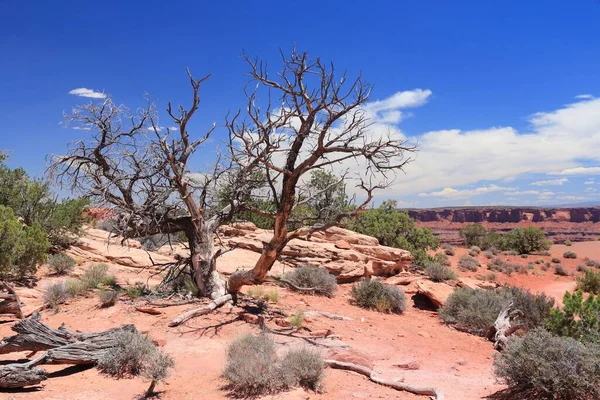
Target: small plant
{"x":546,"y":266}
{"x":133,"y":292}
{"x":488,"y":254}
{"x":251,"y":368}
{"x":468,"y":263}
{"x":305,"y":367}
{"x":592,"y":263}
{"x":135,"y":354}
{"x":556,"y":260}
{"x":108,"y":298}
{"x":569,"y":254}
{"x":560,"y":270}
{"x":272,"y":296}
{"x":581,"y":268}
{"x":313,"y":277}
{"x":95,"y":275}
{"x":510,"y":253}
{"x":539,"y":365}
{"x":61,"y":264}
{"x":568,"y":243}
{"x":75,"y":287}
{"x":449,"y":251}
{"x":475,"y":249}
{"x":55,"y":294}
{"x":438,"y":272}
{"x":578,"y":318}
{"x":539,"y":261}
{"x":524,"y":255}
{"x":491,"y":276}
{"x":297,"y":320}
{"x":373,"y":294}
{"x":589,"y":282}
{"x":258,"y":292}
{"x":441,"y":258}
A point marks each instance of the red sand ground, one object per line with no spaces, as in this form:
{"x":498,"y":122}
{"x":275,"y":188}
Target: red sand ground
{"x":457,"y":363}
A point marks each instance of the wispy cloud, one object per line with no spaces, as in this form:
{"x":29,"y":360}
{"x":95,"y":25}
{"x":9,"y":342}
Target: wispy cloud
{"x":522,"y":193}
{"x":85,"y":92}
{"x":578,"y":171}
{"x":465,"y":193}
{"x":387,"y":111}
{"x":551,"y":182}
{"x":586,"y":96}
{"x":590,"y":181}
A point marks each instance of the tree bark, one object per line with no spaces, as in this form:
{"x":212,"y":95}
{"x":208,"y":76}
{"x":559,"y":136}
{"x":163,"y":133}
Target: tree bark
{"x":14,"y":376}
{"x":503,"y":327}
{"x":196,"y":312}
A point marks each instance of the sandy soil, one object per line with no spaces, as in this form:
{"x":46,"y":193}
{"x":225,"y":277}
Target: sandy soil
{"x":457,"y":363}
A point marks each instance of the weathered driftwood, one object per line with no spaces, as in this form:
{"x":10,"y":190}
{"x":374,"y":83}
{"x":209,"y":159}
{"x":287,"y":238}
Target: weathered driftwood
{"x":503,"y":326}
{"x":196,"y":312}
{"x":61,"y":346}
{"x":369,"y":373}
{"x":10,"y":303}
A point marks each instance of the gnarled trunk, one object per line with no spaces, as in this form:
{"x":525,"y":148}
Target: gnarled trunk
{"x":204,"y":263}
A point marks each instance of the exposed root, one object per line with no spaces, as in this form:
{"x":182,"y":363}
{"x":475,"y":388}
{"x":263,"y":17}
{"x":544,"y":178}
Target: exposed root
{"x":369,"y":373}
{"x":216,"y":303}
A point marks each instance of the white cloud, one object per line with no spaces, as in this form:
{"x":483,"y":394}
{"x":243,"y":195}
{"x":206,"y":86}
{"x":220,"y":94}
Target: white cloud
{"x":590,"y":190}
{"x":552,"y":182}
{"x":586,"y":96}
{"x":465,"y":193}
{"x":590,"y":181}
{"x":521,"y":193}
{"x":173,"y":128}
{"x":578,"y":171}
{"x":85,"y":92}
{"x":387,"y":111}
{"x":573,"y":198}
{"x":81,"y":128}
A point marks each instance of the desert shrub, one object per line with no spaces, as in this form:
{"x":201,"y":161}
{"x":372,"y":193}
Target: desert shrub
{"x":530,"y":265}
{"x":581,"y":268}
{"x":510,"y":253}
{"x":75,"y":287}
{"x":491,"y":276}
{"x":569,"y":254}
{"x":592,"y":263}
{"x":313,"y":277}
{"x":475,"y":249}
{"x":438,"y":272}
{"x":251,"y":368}
{"x":135,"y":354}
{"x":539,"y":261}
{"x":560,"y":270}
{"x":138,"y":290}
{"x":524,"y":255}
{"x":272,"y":296}
{"x":568,"y":243}
{"x":61,"y":264}
{"x":108,"y":298}
{"x":525,"y":240}
{"x":546,"y":266}
{"x":545,"y":253}
{"x":473,"y":234}
{"x":107,"y":224}
{"x":304,"y":367}
{"x":468,"y":263}
{"x":505,"y":267}
{"x":373,"y":294}
{"x":555,"y":260}
{"x":440,"y":258}
{"x":488,"y":254}
{"x":183,"y":284}
{"x":22,"y":247}
{"x":589,"y":282}
{"x":543,"y":366}
{"x":296,"y":319}
{"x":475,"y":310}
{"x":94,"y":275}
{"x":55,"y":294}
{"x":578,"y":318}
{"x":449,"y":251}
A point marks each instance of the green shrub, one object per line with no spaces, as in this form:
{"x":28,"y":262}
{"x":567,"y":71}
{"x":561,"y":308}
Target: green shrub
{"x":468,"y":263}
{"x":440,"y":258}
{"x":138,"y":290}
{"x":304,"y":367}
{"x":251,"y":368}
{"x":61,"y":264}
{"x":108,"y":298}
{"x":560,"y":270}
{"x":135,"y":354}
{"x":449,"y":251}
{"x":475,"y":310}
{"x":473,"y":235}
{"x":569,"y":254}
{"x":313,"y":277}
{"x":525,"y":240}
{"x":589,"y":282}
{"x":75,"y":287}
{"x":372,"y":294}
{"x":556,"y":260}
{"x":539,"y":365}
{"x":55,"y":294}
{"x":94,"y":276}
{"x":488,"y":254}
{"x":438,"y":272}
{"x":578,"y":318}
{"x":297,"y":319}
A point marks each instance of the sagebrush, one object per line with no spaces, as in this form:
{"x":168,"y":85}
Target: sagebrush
{"x":373,"y":294}
{"x":319,"y":279}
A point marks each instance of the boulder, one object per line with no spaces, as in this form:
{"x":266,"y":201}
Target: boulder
{"x":438,"y":293}
{"x":350,"y":355}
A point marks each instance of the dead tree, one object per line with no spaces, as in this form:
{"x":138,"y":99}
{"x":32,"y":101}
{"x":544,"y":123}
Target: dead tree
{"x":140,"y":169}
{"x":313,"y":119}
{"x":9,"y":302}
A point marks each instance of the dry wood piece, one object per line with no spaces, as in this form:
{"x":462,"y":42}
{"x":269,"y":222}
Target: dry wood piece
{"x":503,"y":326}
{"x":200,"y":311}
{"x":62,"y":347}
{"x":360,"y":369}
{"x":10,"y":303}
{"x":148,"y":310}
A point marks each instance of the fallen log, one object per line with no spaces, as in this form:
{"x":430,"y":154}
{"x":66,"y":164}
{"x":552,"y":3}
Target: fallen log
{"x":218,"y":302}
{"x":14,"y":376}
{"x":369,"y":373}
{"x":10,"y":304}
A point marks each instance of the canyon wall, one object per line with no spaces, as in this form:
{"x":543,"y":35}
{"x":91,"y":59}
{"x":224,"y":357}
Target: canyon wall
{"x":506,"y":215}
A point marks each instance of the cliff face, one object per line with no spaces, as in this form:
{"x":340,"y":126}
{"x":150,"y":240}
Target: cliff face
{"x":506,"y":215}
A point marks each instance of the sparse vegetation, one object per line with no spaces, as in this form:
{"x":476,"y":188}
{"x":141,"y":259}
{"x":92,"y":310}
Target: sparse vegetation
{"x":475,"y":310}
{"x":135,"y":354}
{"x":568,"y":243}
{"x":75,"y":287}
{"x":542,"y":366}
{"x":259,"y":292}
{"x":449,"y":250}
{"x":95,"y":275}
{"x":297,"y":319}
{"x":313,"y":277}
{"x":468,"y":263}
{"x":438,"y":272}
{"x":560,"y":270}
{"x":61,"y":264}
{"x":440,"y":258}
{"x":578,"y":318}
{"x":569,"y":254}
{"x":505,"y":267}
{"x":520,"y":240}
{"x":555,"y":260}
{"x":304,"y":367}
{"x":55,"y":294}
{"x":589,"y":282}
{"x":373,"y":294}
{"x":488,"y":254}
{"x":108,"y":298}
{"x":592,"y":263}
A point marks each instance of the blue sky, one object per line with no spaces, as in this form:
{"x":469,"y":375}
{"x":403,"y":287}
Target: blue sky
{"x":500,"y":95}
